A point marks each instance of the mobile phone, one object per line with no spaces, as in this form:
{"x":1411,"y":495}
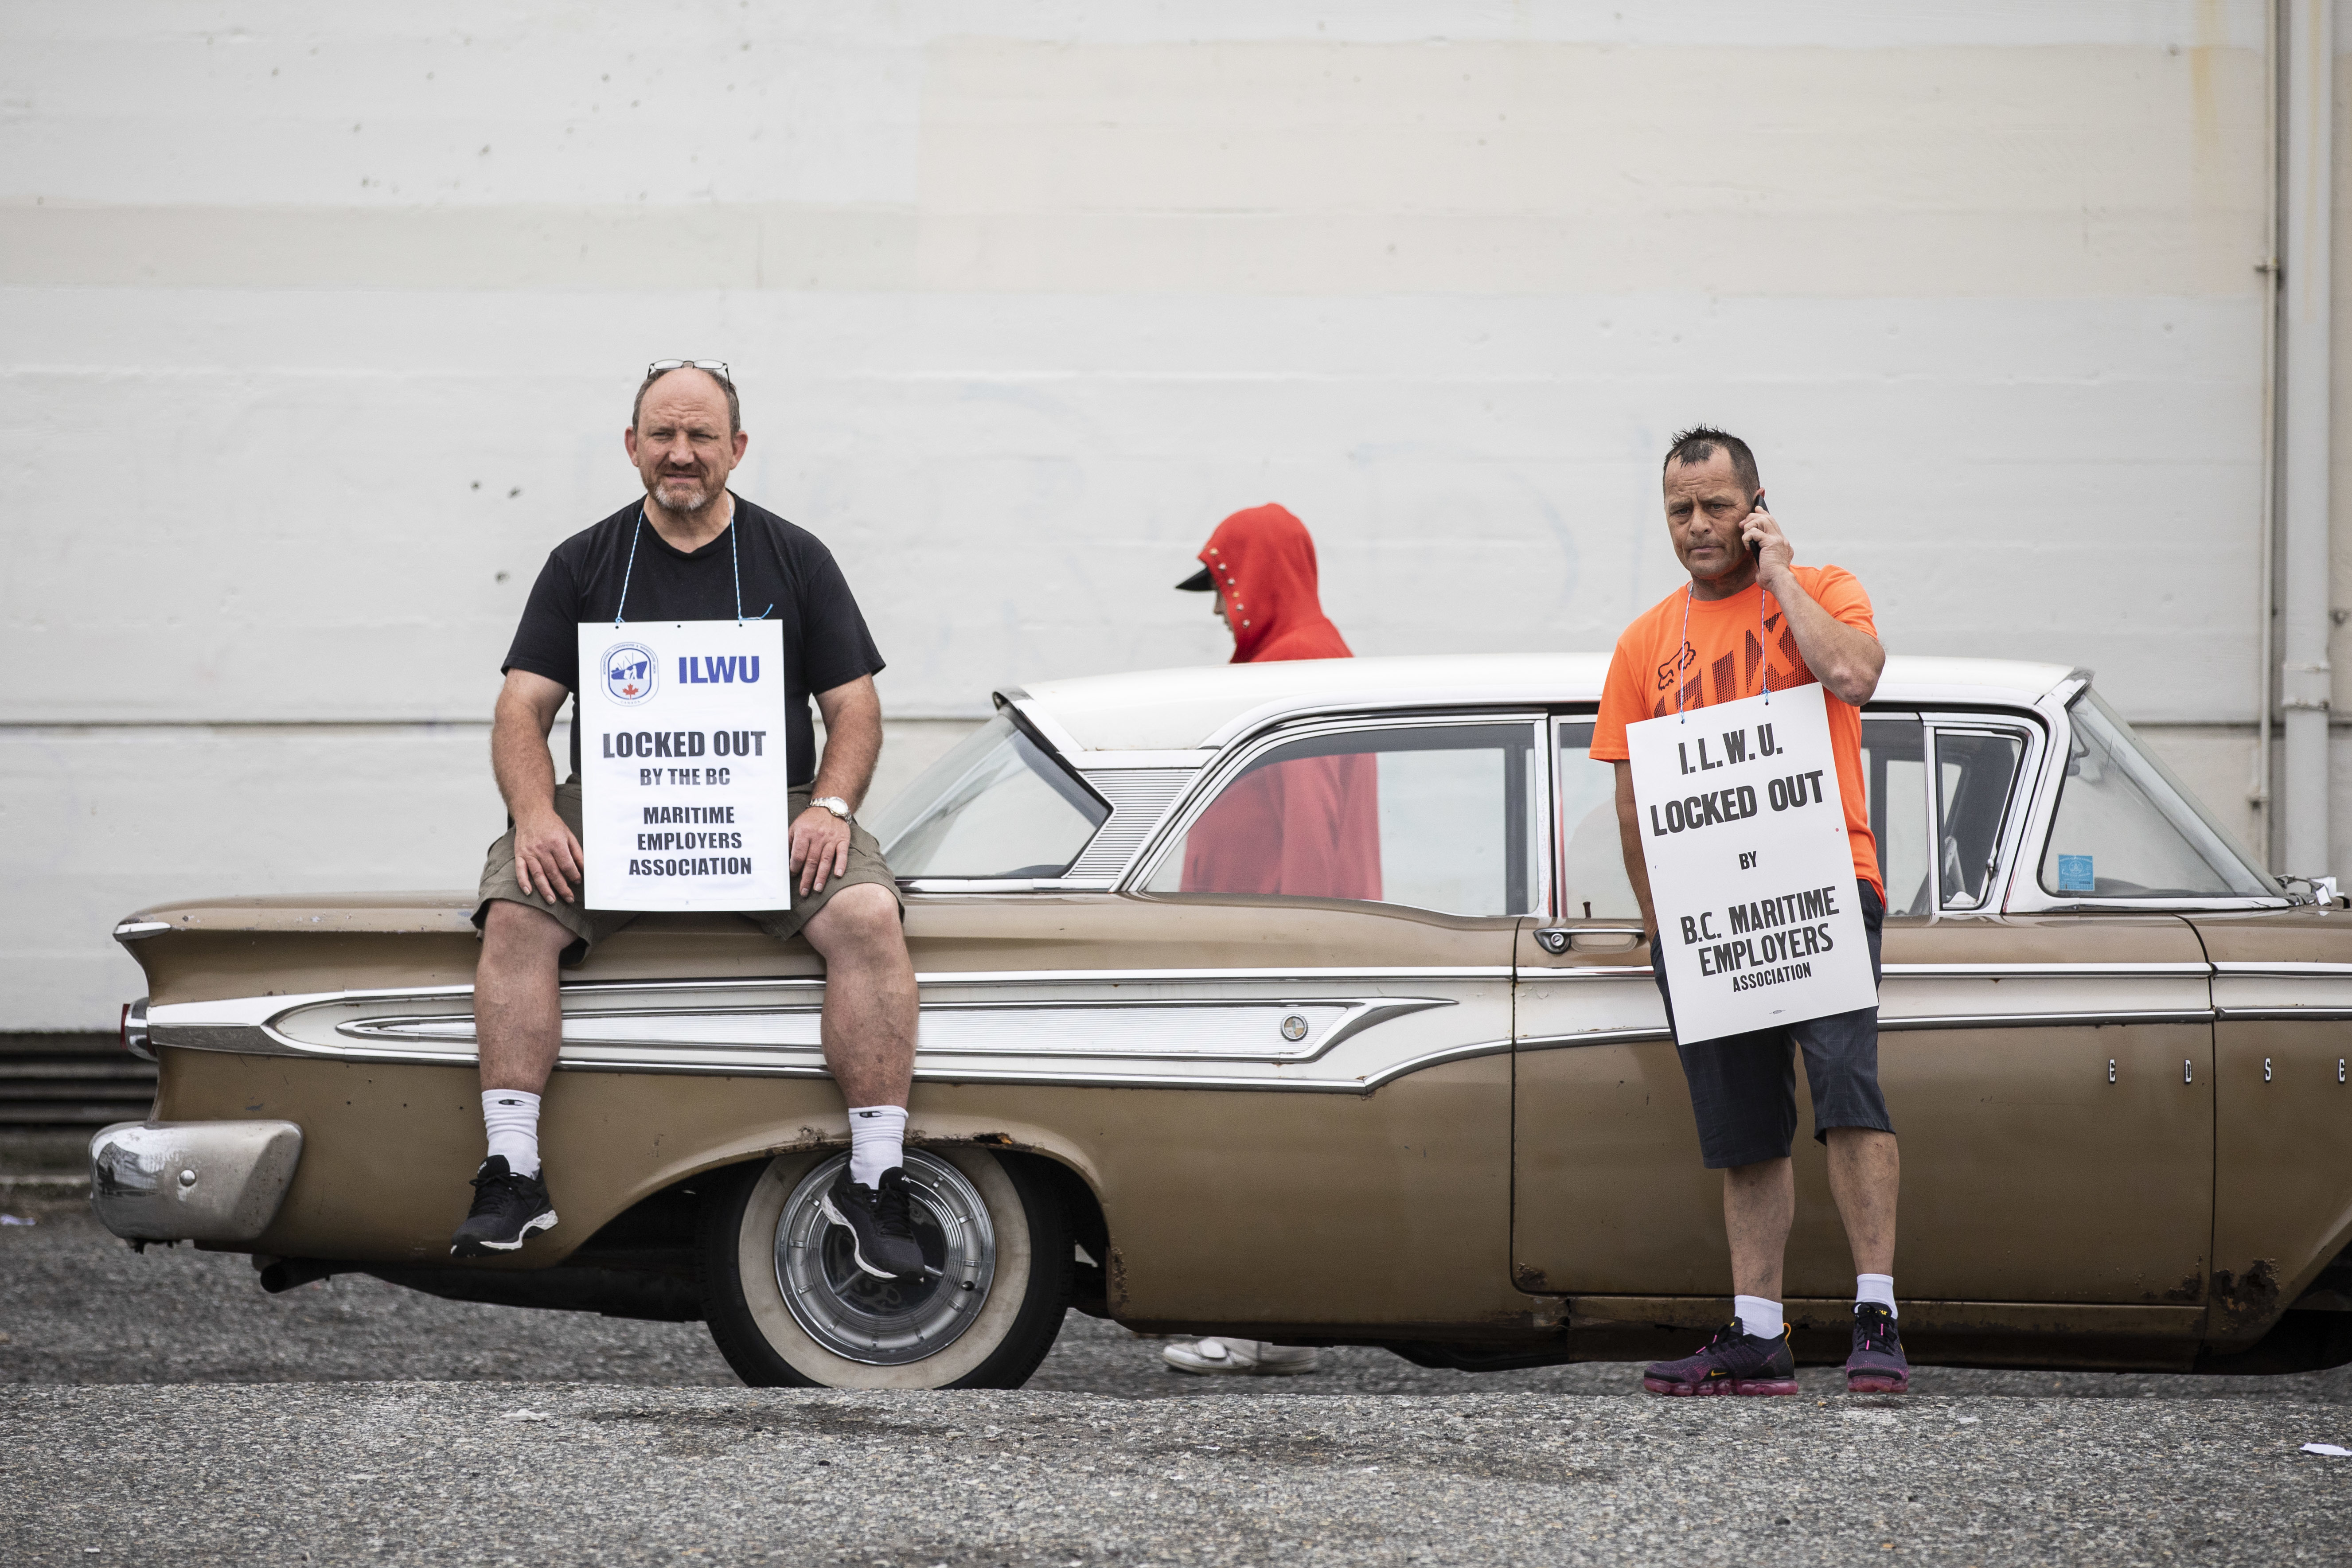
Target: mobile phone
{"x":1755,"y":551}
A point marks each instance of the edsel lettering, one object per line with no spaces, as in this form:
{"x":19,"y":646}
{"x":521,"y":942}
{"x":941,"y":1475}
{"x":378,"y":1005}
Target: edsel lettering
{"x":1708,"y":810}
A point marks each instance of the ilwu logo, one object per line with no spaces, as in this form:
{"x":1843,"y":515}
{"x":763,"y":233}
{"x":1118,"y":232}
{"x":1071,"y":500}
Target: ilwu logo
{"x":629,"y":672}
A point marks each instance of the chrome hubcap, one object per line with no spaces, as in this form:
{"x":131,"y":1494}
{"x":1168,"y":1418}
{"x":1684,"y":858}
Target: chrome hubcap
{"x":887,"y":1322}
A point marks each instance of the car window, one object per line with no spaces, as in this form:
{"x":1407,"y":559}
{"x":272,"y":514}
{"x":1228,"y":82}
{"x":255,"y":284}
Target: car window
{"x":1437,"y":816}
{"x":2125,"y":828}
{"x":1592,"y":870}
{"x":1974,"y":771}
{"x":996,"y":805}
{"x":1895,"y":781}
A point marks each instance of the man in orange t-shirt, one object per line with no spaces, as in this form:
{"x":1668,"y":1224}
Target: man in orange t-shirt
{"x":1750,"y":613}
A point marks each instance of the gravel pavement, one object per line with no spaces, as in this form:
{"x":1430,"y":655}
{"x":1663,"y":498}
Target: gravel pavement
{"x":524,"y":1436}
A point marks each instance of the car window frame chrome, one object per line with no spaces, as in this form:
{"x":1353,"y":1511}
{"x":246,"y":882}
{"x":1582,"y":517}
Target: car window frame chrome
{"x":1935,"y":722}
{"x":1237,"y":756}
{"x":2026,"y":896}
{"x":1022,"y":715}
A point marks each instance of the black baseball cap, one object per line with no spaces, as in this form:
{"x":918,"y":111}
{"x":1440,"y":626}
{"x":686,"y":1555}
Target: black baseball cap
{"x":1198,"y":582}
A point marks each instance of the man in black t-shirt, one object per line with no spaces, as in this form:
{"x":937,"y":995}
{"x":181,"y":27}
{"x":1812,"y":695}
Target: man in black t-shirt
{"x":691,"y":549}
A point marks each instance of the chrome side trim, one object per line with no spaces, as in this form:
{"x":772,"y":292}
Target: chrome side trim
{"x":1892,"y":1024}
{"x":1593,"y":1037}
{"x":2318,"y":1014}
{"x":130,"y":931}
{"x":2042,"y":970}
{"x":1168,"y":1033}
{"x":989,"y":1029}
{"x":2286,"y":970}
{"x":2044,"y":1020}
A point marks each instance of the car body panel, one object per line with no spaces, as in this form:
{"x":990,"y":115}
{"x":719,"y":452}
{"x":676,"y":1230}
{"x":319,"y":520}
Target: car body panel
{"x":1993,"y":1051}
{"x":2283,"y":996}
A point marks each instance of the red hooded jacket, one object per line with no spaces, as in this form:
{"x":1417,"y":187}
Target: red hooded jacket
{"x":1309,"y":826}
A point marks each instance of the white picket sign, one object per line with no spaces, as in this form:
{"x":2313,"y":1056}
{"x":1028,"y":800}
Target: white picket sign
{"x":1751,"y":872}
{"x":683,"y":773}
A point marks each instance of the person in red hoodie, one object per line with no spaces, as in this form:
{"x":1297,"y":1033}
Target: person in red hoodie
{"x":1309,"y":826}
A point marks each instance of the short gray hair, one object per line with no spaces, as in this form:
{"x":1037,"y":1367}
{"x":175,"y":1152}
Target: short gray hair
{"x":734,"y":403}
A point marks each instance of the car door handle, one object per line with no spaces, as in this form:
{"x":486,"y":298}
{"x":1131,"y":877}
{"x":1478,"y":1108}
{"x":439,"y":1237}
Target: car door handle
{"x":1557,"y":940}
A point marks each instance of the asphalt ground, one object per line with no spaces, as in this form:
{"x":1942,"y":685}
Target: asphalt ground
{"x":161,"y":1407}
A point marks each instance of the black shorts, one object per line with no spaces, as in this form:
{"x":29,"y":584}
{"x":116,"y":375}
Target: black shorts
{"x":1744,"y":1087}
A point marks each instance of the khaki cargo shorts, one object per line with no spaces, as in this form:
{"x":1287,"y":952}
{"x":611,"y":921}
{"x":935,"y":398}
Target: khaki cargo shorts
{"x":593,"y":926}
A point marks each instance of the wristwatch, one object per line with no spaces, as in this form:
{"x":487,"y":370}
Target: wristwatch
{"x":836,"y":804}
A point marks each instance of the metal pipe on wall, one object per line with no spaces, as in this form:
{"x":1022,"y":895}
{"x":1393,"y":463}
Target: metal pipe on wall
{"x":2304,"y":330}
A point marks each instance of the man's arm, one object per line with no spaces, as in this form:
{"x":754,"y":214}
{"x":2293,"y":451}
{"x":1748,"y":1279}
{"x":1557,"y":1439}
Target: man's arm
{"x":547,"y":856}
{"x":853,"y":743}
{"x":1629,"y":838}
{"x":1845,"y":658}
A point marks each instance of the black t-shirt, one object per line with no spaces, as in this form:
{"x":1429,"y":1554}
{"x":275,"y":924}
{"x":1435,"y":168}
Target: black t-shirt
{"x":787,"y":574}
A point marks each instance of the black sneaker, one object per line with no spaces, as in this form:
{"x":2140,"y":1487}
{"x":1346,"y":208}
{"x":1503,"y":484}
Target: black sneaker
{"x":1735,"y":1361}
{"x":507,"y":1209}
{"x":1877,"y":1365}
{"x":881,"y":1235}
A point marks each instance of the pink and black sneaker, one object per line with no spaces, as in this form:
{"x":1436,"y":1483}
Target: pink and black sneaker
{"x":1735,"y":1361}
{"x":1877,"y":1365}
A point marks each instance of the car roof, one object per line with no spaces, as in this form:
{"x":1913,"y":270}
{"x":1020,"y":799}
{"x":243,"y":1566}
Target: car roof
{"x":1198,"y":708}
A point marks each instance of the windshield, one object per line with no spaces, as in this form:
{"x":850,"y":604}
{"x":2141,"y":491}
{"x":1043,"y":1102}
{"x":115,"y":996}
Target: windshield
{"x":2126,"y":829}
{"x":994,"y":806}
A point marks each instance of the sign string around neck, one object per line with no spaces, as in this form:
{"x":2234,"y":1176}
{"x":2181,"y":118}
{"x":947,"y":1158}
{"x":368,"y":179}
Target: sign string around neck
{"x":1763,"y":654}
{"x":735,"y":551}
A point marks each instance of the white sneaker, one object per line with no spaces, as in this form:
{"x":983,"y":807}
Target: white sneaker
{"x":1241,"y":1358}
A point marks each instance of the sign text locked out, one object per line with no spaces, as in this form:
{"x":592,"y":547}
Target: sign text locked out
{"x":1751,"y":873}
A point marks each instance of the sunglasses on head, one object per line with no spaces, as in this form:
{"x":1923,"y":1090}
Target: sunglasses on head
{"x":717,"y":367}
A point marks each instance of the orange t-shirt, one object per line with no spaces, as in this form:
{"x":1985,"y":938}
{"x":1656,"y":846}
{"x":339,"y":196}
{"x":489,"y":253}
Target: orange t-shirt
{"x":1722,"y":662}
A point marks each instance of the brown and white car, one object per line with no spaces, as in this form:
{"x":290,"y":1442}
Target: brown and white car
{"x":1450,"y":1121}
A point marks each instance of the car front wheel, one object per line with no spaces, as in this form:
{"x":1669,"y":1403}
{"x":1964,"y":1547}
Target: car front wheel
{"x":788,"y":1305}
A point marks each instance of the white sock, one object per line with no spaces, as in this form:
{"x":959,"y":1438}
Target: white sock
{"x":878,"y":1141}
{"x":1878,"y":1287}
{"x":1759,"y":1316}
{"x":511,"y":1119}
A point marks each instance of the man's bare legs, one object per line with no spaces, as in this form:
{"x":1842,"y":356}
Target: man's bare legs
{"x":518,"y":1018}
{"x":519,"y":1027}
{"x":1866,"y":1178}
{"x":869,"y":994}
{"x":1759,"y":1204}
{"x":869,"y":1047}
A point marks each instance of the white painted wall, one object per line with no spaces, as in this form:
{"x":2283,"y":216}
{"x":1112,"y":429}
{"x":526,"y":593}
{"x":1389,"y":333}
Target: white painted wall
{"x":317,"y":329}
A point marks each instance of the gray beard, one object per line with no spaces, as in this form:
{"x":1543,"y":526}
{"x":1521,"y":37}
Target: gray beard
{"x":693,"y":505}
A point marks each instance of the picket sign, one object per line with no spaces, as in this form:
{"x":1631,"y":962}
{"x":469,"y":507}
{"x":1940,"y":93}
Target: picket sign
{"x":683,"y":773}
{"x":1751,"y":873}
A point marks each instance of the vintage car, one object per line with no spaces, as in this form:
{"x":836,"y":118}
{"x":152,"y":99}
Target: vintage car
{"x":1439,"y":1113}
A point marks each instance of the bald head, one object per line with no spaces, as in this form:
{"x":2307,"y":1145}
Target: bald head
{"x":690,"y":373}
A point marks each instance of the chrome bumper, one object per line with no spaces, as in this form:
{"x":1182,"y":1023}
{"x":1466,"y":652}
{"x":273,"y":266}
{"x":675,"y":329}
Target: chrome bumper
{"x":192,"y":1181}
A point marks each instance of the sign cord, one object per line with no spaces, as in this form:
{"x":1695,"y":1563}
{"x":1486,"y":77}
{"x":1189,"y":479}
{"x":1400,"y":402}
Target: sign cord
{"x":632,"y":566}
{"x":737,"y":549}
{"x":1763,"y":653}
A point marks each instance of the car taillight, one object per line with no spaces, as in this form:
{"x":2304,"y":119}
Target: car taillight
{"x":133,"y":1029}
